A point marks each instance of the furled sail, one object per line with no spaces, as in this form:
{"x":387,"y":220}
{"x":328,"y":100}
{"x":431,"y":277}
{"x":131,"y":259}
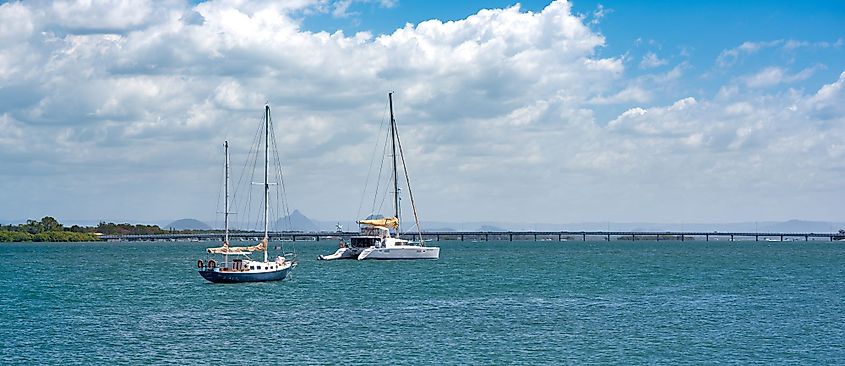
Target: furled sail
{"x":388,"y":222}
{"x":226,"y":249}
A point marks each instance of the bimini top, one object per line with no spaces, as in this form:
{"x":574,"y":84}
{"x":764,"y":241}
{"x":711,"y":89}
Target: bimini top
{"x":226,"y":249}
{"x":389,"y":222}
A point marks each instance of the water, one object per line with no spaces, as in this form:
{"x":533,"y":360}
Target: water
{"x":482,"y":303}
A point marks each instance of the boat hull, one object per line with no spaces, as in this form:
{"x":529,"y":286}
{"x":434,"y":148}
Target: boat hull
{"x":237,"y":277}
{"x":400,"y":252}
{"x":342,"y":253}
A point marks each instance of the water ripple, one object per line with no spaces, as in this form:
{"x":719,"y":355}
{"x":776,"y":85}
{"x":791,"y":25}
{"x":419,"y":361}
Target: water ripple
{"x":481,"y":303}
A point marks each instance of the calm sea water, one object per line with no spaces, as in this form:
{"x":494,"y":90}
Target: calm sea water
{"x":637,"y":303}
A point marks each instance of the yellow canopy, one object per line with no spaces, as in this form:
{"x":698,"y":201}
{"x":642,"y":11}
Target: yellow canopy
{"x":226,"y":249}
{"x":389,"y":222}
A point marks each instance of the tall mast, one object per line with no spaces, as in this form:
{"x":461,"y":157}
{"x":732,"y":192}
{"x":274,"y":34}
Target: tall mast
{"x":226,"y":209}
{"x":266,"y":183}
{"x":395,"y":175}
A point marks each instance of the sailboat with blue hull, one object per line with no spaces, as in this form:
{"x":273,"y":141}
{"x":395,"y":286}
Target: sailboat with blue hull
{"x":242,"y":268}
{"x":252,"y":276}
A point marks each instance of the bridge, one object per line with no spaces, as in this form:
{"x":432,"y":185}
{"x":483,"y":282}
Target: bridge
{"x":496,"y":235}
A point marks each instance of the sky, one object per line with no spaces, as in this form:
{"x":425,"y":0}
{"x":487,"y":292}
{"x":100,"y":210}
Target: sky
{"x":547,"y":112}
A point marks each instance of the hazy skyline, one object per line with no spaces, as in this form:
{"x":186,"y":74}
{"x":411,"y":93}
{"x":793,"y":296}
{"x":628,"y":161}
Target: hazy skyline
{"x":543,"y":112}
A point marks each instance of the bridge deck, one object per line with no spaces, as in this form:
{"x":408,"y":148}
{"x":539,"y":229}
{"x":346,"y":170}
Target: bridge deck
{"x":496,"y":235}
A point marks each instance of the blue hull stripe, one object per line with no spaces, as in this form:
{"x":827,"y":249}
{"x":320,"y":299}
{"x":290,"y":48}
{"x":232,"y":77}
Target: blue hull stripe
{"x":235,"y":277}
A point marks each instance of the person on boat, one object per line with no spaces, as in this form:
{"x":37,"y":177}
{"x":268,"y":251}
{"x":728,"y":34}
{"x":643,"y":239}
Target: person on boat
{"x":341,"y":244}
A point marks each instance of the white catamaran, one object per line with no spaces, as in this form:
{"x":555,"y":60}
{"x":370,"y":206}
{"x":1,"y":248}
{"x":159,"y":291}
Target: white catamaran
{"x":376,"y":240}
{"x":243,"y":268}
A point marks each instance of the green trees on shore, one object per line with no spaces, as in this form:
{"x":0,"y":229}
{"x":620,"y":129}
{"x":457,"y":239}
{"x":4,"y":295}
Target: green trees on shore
{"x":47,"y":229}
{"x":110,"y":228}
{"x":50,"y":229}
{"x":47,"y":236}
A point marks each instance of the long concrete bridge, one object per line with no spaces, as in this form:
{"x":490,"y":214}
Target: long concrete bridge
{"x":500,"y":235}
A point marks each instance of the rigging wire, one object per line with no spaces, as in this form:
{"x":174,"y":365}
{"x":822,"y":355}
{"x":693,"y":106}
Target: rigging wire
{"x":378,"y":180}
{"x":408,"y":182}
{"x":281,"y":194}
{"x":254,"y":225}
{"x":370,"y":168}
{"x":252,"y":159}
{"x":220,"y":193}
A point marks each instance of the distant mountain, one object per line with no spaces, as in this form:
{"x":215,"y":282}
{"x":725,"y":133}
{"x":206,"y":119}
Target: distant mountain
{"x":490,"y":228}
{"x":300,"y":222}
{"x":187,"y":224}
{"x":440,"y":229}
{"x":799,"y":226}
{"x":296,"y":221}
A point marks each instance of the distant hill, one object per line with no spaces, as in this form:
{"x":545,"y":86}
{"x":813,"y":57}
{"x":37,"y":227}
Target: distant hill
{"x":296,"y":221}
{"x":490,"y":228}
{"x":799,"y":226}
{"x":441,"y":229}
{"x":187,"y":224}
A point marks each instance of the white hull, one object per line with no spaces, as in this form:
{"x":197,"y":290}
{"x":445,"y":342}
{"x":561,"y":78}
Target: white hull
{"x":341,"y":253}
{"x":400,"y":252}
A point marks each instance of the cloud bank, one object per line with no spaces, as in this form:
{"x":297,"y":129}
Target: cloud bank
{"x":117,"y":109}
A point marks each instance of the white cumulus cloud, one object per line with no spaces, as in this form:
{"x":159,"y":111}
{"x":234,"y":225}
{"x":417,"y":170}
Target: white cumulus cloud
{"x":119,"y":112}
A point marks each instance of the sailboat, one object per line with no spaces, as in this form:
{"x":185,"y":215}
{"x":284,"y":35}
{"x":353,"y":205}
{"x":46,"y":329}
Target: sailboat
{"x":375,"y":240}
{"x":243,"y":268}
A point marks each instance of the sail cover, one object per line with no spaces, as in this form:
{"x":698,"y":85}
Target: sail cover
{"x":226,"y":249}
{"x":389,"y":222}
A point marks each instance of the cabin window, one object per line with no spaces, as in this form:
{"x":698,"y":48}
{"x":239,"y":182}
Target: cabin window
{"x":251,"y":267}
{"x":362,"y":242}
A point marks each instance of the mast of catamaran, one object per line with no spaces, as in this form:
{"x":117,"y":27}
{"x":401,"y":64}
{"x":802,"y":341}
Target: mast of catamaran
{"x":266,"y":183}
{"x":226,"y":207}
{"x":395,"y":175}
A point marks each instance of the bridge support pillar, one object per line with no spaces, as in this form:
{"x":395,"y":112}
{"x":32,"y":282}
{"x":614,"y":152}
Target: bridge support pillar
{"x":707,"y":238}
{"x":462,"y":237}
{"x":535,"y":237}
{"x":608,"y":237}
{"x":682,"y":237}
{"x":583,"y":237}
{"x":486,"y":237}
{"x":510,"y":237}
{"x":756,"y":237}
{"x":559,"y":237}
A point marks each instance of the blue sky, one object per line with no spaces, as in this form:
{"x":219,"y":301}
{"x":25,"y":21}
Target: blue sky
{"x":692,"y":34}
{"x":697,"y":31}
{"x":552,"y":112}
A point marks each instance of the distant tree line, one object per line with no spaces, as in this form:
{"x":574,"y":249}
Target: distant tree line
{"x":48,"y":229}
{"x":110,"y":228}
